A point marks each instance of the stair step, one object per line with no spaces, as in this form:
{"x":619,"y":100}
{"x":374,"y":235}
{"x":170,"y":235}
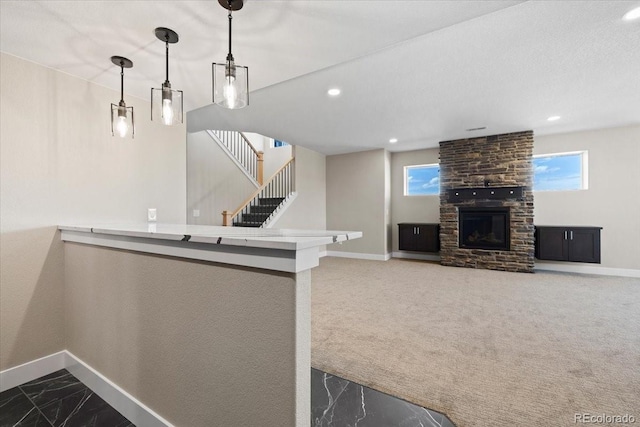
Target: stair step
{"x":256,"y":209}
{"x":247,"y":224}
{"x":255,"y":217}
{"x":270,"y":201}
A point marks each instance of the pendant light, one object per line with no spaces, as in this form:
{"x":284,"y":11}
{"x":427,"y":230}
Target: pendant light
{"x":121,"y":115}
{"x":166,"y":104}
{"x":230,"y":81}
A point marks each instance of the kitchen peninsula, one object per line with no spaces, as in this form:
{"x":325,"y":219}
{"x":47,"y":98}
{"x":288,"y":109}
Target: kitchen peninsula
{"x":204,"y":325}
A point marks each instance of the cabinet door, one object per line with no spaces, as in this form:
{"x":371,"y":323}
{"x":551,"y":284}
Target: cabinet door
{"x":428,"y":238}
{"x":584,"y":245}
{"x":406,"y":237}
{"x":552,"y":244}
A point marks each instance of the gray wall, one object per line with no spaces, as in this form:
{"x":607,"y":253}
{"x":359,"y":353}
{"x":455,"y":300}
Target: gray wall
{"x":612,"y":200}
{"x":214,"y":182}
{"x":309,"y":209}
{"x":199,"y":343}
{"x":60,"y":164}
{"x":357,"y":200}
{"x":411,"y":208}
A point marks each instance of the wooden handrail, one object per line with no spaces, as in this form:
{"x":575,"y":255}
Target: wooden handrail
{"x":227,"y":217}
{"x":249,"y":143}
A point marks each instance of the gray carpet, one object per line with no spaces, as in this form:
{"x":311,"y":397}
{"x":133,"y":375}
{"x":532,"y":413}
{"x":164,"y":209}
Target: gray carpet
{"x":486,"y":348}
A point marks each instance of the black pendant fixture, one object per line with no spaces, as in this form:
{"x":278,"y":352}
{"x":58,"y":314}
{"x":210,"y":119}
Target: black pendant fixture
{"x":230,"y":81}
{"x":166,"y":104}
{"x":122,"y":116}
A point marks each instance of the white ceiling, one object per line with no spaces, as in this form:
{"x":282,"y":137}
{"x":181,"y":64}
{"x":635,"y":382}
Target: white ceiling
{"x":420,"y":71}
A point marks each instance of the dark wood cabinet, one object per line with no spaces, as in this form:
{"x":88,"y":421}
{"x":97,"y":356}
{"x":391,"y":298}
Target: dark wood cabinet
{"x":419,"y":237}
{"x":576,"y":244}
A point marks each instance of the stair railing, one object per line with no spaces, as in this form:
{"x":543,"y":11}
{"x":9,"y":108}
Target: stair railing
{"x":281,"y":184}
{"x":242,"y":149}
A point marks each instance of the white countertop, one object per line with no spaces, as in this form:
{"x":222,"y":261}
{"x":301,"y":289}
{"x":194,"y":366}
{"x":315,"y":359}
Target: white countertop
{"x":268,"y":238}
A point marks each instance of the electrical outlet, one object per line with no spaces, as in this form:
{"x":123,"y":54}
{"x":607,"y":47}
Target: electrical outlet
{"x":152,"y":215}
{"x":196,"y":213}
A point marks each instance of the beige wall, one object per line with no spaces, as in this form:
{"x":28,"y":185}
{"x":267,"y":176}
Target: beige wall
{"x":60,"y":164}
{"x":411,"y":208}
{"x":388,"y":231}
{"x":214,"y":182}
{"x":200,"y":343}
{"x":357,"y":200}
{"x":258,"y":141}
{"x":612,"y":199}
{"x":309,"y":209}
{"x":274,"y":158}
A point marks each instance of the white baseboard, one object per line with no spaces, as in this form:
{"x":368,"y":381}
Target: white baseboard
{"x":12,"y":377}
{"x":357,"y":255}
{"x":322,"y":254}
{"x":134,"y":410}
{"x":586,"y":269}
{"x":411,"y":255}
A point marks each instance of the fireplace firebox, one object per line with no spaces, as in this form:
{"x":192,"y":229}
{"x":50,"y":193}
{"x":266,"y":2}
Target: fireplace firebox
{"x":484,"y":228}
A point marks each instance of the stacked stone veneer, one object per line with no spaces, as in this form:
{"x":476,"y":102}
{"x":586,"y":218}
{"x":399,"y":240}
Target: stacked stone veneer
{"x":491,"y":161}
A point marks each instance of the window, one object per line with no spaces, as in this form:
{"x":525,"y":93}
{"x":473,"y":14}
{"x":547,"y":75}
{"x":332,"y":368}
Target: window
{"x":560,"y":171}
{"x":422,"y":180}
{"x":277,"y":143}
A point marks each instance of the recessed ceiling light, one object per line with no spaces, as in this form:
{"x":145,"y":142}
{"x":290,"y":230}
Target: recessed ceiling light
{"x":334,"y":91}
{"x":393,"y":140}
{"x":553,"y":118}
{"x":632,"y":14}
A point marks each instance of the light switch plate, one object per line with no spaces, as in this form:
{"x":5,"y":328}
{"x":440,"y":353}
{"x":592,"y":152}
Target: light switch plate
{"x":152,"y":215}
{"x":196,"y":213}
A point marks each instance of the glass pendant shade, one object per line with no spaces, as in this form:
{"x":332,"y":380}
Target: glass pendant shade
{"x":122,"y":122}
{"x":166,"y":105}
{"x":230,"y":85}
{"x":230,"y":81}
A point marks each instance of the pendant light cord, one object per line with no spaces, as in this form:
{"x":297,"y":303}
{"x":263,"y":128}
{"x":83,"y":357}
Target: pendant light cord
{"x":121,"y":81}
{"x":167,"y":62}
{"x":230,"y":56}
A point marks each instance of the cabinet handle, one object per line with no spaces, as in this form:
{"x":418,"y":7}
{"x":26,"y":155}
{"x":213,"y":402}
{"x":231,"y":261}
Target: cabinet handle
{"x":571,"y":234}
{"x":418,"y":228}
{"x":565,"y":235}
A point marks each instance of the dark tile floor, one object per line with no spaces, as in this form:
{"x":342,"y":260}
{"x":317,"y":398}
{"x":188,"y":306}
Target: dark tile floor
{"x":336,"y":402}
{"x":57,"y":399}
{"x":60,"y":399}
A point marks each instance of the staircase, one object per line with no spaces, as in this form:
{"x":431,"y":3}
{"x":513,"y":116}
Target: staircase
{"x":265,"y":203}
{"x":259,"y":212}
{"x":242,"y":152}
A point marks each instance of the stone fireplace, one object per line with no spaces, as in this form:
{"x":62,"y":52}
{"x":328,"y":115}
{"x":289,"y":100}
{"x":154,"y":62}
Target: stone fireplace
{"x":486,"y":202}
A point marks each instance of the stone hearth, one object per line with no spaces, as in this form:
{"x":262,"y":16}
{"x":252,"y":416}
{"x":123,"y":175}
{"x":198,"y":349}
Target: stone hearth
{"x":491,"y":172}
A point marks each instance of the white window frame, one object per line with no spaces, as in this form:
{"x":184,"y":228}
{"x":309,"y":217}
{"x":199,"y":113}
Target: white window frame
{"x":406,"y":189}
{"x":584,"y":167}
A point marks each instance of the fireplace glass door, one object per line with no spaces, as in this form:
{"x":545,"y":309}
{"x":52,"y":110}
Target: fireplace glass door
{"x":484,"y":228}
